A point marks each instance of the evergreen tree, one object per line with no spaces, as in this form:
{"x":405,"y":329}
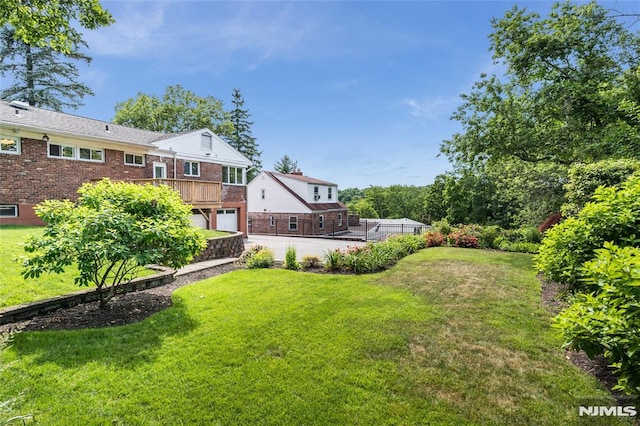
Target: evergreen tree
{"x":285,"y":165}
{"x":41,"y":76}
{"x":241,"y":137}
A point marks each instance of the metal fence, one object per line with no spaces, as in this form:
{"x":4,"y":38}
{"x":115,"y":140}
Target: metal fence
{"x":366,"y":230}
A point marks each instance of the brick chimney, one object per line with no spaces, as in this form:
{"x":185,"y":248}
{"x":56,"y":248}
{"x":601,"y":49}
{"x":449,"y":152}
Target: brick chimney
{"x":296,"y":172}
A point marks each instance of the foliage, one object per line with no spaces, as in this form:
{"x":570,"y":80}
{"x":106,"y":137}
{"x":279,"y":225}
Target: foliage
{"x":606,"y":321}
{"x":566,"y":79}
{"x":348,"y":195}
{"x":610,"y":216}
{"x":178,"y":110}
{"x":113,"y":230}
{"x":584,"y":179}
{"x":310,"y":261}
{"x":263,"y":258}
{"x":363,"y":208}
{"x":290,"y":259}
{"x":40,"y":75}
{"x":241,"y":137}
{"x":52,"y":23}
{"x":433,"y":239}
{"x":550,"y":222}
{"x":465,"y":236}
{"x":374,"y":257}
{"x":443,"y":226}
{"x":285,"y":165}
{"x":318,"y":349}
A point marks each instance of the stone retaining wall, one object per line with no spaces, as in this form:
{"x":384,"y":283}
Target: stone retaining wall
{"x":222,"y":248}
{"x":30,"y":310}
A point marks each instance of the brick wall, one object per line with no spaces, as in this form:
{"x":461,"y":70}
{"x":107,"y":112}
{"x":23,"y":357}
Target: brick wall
{"x":308,"y":223}
{"x":222,"y":248}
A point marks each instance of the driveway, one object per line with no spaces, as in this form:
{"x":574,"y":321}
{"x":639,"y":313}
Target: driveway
{"x":303,"y":246}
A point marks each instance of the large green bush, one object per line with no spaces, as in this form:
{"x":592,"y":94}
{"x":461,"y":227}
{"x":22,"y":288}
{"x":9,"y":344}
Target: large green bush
{"x":613,"y":215}
{"x":607,"y":320}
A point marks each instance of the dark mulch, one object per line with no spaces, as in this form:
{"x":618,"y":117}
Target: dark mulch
{"x":123,"y":309}
{"x":553,"y":300}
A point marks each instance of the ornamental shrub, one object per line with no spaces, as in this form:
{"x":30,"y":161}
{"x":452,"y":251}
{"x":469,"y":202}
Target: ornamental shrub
{"x":433,"y":239}
{"x":465,"y":236}
{"x":333,"y":260}
{"x":607,"y":320}
{"x":263,"y":258}
{"x":612,"y":215}
{"x":290,"y":259}
{"x":310,"y":261}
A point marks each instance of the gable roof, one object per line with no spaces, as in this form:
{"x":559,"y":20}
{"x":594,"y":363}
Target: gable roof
{"x":23,"y":116}
{"x":311,"y":206}
{"x":303,"y":178}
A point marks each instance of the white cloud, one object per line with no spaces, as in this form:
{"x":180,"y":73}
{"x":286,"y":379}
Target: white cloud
{"x":431,"y":108}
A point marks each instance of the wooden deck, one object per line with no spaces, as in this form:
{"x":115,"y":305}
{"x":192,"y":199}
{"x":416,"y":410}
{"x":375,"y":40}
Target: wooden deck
{"x":200,"y":194}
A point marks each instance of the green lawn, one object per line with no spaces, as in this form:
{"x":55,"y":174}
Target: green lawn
{"x":448,"y":336}
{"x":14,"y":289}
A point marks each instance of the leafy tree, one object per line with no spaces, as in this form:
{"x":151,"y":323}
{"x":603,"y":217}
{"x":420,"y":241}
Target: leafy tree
{"x":52,"y":22}
{"x":570,"y":91}
{"x":584,"y":179}
{"x":178,"y":110}
{"x":363,"y":208}
{"x":41,"y":76}
{"x":111,"y":232}
{"x":241,"y":138}
{"x":348,"y":195}
{"x":378,"y":198}
{"x":285,"y":165}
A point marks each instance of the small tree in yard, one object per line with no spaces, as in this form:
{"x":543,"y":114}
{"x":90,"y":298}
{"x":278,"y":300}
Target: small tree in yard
{"x":111,"y":233}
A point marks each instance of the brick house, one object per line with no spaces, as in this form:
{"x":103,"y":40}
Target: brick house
{"x":294,"y":204}
{"x":49,"y":155}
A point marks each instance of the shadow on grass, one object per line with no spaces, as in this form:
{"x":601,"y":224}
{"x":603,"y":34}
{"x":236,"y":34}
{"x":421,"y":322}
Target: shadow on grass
{"x":123,"y":345}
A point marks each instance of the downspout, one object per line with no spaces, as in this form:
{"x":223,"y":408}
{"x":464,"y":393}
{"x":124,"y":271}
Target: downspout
{"x":174,"y":162}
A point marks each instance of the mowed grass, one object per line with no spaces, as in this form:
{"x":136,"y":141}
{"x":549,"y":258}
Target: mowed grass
{"x":14,"y":289}
{"x":448,"y":336}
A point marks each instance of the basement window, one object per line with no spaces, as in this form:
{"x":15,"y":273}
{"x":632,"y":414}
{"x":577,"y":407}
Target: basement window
{"x":8,"y":210}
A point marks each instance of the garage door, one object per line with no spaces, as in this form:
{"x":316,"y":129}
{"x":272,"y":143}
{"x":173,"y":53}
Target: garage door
{"x":227,"y":220}
{"x":198,"y":221}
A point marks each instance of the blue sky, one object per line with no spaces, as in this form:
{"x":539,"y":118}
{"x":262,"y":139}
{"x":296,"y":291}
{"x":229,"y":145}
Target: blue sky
{"x":359,"y":93}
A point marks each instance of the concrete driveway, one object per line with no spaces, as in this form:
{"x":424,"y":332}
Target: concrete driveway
{"x":303,"y":246}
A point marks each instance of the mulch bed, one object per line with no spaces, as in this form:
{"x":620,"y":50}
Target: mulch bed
{"x":135,"y":307}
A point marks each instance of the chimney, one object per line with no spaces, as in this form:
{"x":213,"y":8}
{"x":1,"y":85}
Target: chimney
{"x":296,"y":172}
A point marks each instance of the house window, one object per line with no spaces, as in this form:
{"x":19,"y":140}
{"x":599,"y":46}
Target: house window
{"x":339,"y":219}
{"x":272,"y":221}
{"x":233,"y":175}
{"x":321,"y":218}
{"x":316,"y":193}
{"x":9,"y":145}
{"x":76,"y":153}
{"x":133,"y":159}
{"x":262,"y":194}
{"x":159,"y":171}
{"x":8,"y":211}
{"x":329,"y":193}
{"x":191,"y":168}
{"x":293,"y":223}
{"x":206,"y":141}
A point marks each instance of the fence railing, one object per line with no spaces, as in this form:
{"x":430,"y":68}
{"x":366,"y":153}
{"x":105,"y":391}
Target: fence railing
{"x":366,"y":230}
{"x":195,"y":192}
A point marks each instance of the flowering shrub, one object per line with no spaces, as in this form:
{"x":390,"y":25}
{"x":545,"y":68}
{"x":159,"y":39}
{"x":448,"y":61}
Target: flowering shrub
{"x":433,"y":239}
{"x":464,"y":236}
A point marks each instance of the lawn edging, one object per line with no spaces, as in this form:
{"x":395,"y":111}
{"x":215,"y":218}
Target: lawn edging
{"x":30,"y":310}
{"x":222,"y":247}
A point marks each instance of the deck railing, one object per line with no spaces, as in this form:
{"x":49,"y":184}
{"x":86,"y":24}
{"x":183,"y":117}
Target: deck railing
{"x":195,"y":192}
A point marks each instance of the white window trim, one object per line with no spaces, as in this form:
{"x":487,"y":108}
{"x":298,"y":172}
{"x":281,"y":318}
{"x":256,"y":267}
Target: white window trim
{"x":134,"y":155}
{"x":208,"y":145}
{"x":163,"y":166}
{"x":294,"y":222}
{"x":243,"y":173}
{"x":18,"y":141}
{"x":339,"y":219}
{"x":76,"y":152}
{"x":190,"y":165}
{"x":15,"y":209}
{"x":262,"y":194}
{"x":272,"y":221}
{"x":321,"y":221}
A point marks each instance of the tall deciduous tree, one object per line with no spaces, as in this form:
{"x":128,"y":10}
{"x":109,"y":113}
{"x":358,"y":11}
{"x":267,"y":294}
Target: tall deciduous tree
{"x":285,"y":165}
{"x":41,"y":76}
{"x":178,"y":110}
{"x":569,"y":91}
{"x":52,"y":23}
{"x":241,"y":137}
